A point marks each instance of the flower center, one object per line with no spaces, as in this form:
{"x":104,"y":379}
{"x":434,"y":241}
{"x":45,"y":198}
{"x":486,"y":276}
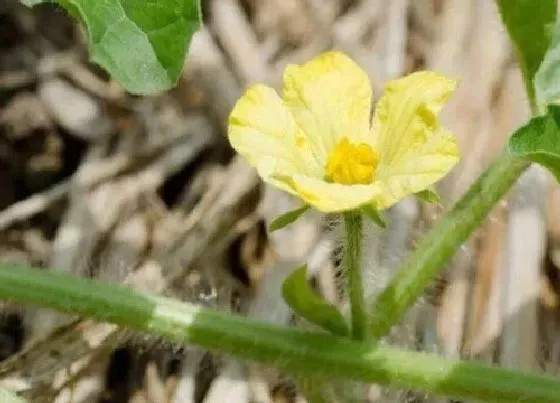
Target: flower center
{"x":350,"y":164}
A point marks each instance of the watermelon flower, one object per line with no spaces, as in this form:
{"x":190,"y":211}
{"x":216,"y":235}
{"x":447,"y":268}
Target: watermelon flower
{"x":320,"y":142}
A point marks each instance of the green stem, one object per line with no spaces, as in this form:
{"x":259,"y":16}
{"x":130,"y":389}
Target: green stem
{"x":353,"y":225}
{"x":441,"y":243}
{"x":291,"y":350}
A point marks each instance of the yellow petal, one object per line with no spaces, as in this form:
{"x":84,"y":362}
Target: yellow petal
{"x":263,"y":131}
{"x":419,"y":168}
{"x":406,"y":115}
{"x":330,"y":97}
{"x":331,"y":197}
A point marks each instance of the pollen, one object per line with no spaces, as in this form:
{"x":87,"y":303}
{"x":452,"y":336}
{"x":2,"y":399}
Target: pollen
{"x":351,"y":164}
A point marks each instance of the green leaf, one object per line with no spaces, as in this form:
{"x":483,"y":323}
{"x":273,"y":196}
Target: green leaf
{"x":287,"y":218}
{"x":429,"y":196}
{"x":539,"y":141}
{"x":304,"y":301}
{"x":373,"y":214}
{"x":547,"y":79}
{"x":142,"y":44}
{"x":528,"y":23}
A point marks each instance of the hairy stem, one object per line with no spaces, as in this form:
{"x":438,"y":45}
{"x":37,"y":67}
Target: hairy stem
{"x":301,"y":353}
{"x":353,"y":225}
{"x":441,"y":243}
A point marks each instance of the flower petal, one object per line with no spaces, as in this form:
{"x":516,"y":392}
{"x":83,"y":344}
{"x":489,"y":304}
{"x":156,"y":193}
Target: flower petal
{"x":330,"y":97}
{"x":406,"y":115}
{"x":331,"y":197}
{"x":419,"y":168}
{"x":263,"y":131}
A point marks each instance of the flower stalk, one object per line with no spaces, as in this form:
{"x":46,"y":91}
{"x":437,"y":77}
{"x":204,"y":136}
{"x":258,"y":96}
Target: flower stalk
{"x":353,"y":227}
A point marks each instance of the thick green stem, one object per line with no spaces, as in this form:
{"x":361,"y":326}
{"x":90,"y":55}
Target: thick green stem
{"x":353,"y":225}
{"x":441,"y":243}
{"x":291,"y":350}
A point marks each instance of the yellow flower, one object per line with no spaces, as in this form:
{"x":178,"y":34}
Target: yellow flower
{"x":320,"y":143}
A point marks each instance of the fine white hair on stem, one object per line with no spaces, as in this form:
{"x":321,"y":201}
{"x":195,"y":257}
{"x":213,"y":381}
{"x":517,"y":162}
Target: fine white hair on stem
{"x":369,"y":259}
{"x":374,"y":276}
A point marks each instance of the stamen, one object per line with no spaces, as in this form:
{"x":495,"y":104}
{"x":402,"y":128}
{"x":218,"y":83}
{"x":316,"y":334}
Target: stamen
{"x":350,"y":164}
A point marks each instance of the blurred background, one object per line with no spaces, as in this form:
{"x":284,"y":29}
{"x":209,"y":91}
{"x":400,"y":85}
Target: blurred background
{"x":145,"y":191}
